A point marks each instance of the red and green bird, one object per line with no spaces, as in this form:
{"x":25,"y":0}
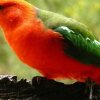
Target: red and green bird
{"x":57,"y":46}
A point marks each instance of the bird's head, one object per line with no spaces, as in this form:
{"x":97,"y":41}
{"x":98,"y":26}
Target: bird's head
{"x":14,"y":12}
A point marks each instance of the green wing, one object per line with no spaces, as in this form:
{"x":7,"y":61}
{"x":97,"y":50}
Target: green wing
{"x":83,"y":45}
{"x":53,"y":20}
{"x":83,"y":49}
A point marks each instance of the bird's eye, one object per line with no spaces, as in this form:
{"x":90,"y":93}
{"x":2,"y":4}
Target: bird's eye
{"x":1,"y":7}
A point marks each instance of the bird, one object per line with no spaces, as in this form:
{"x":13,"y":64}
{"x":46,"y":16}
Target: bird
{"x":55,"y":45}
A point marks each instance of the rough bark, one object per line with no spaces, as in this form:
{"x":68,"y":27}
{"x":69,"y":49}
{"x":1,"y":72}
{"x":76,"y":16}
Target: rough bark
{"x":41,"y":88}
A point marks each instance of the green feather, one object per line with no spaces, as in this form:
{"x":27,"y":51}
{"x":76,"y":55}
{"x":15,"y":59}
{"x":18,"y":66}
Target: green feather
{"x":53,"y":20}
{"x":84,"y":49}
{"x":80,"y":43}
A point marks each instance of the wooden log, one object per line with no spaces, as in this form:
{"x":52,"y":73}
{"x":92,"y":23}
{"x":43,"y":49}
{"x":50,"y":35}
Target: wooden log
{"x":41,"y":88}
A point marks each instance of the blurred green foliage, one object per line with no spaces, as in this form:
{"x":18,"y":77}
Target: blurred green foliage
{"x":85,"y":11}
